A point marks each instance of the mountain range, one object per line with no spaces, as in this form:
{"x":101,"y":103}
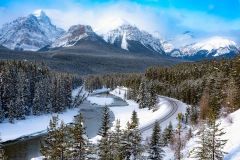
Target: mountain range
{"x":36,"y":32}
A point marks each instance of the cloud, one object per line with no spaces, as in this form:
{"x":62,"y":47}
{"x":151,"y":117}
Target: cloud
{"x":168,"y":21}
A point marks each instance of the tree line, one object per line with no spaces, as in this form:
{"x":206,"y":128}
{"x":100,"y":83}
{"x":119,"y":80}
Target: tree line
{"x":70,"y":142}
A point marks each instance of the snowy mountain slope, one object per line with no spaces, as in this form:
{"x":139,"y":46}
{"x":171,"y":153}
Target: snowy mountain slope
{"x":186,"y":46}
{"x":31,"y":32}
{"x":212,"y":47}
{"x":121,"y":33}
{"x":232,"y":146}
{"x":73,"y":35}
{"x":167,"y":46}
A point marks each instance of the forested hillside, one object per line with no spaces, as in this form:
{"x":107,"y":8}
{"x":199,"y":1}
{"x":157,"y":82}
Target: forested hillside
{"x":216,"y":81}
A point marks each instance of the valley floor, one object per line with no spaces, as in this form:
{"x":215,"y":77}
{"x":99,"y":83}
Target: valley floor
{"x":146,"y":117}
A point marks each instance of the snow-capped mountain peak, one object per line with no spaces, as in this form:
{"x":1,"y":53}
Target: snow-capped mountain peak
{"x":214,"y":46}
{"x":214,"y":43}
{"x":30,"y":32}
{"x":122,"y":33}
{"x":73,"y":35}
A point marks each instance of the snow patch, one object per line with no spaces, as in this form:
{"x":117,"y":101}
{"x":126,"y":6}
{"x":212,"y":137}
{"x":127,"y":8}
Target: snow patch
{"x":100,"y":100}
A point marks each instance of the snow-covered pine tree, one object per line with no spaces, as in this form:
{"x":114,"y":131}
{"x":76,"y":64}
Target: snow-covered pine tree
{"x":131,"y":146}
{"x":2,"y":153}
{"x":152,"y":95}
{"x":57,"y":142}
{"x":131,"y":140}
{"x":36,"y":109}
{"x":48,"y":96}
{"x":104,"y":148}
{"x":142,"y":94}
{"x":64,"y":144}
{"x":116,"y":141}
{"x":167,"y":134}
{"x":79,"y":143}
{"x":55,"y":94}
{"x":179,"y":144}
{"x":68,"y":90}
{"x":134,"y":120}
{"x":214,"y":142}
{"x":130,"y":93}
{"x":20,"y":104}
{"x":7,"y":87}
{"x":60,"y":97}
{"x":11,"y":112}
{"x":201,"y":152}
{"x":105,"y":122}
{"x":27,"y":96}
{"x":155,"y":149}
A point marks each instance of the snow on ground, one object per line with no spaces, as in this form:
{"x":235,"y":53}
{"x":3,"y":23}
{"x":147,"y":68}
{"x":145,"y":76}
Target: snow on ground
{"x":232,"y":146}
{"x":146,"y":117}
{"x":33,"y":125}
{"x":100,"y":100}
{"x":98,"y":91}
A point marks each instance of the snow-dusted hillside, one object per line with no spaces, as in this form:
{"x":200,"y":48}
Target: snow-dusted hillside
{"x":232,"y":146}
{"x":31,"y":32}
{"x":122,"y":32}
{"x":73,"y":35}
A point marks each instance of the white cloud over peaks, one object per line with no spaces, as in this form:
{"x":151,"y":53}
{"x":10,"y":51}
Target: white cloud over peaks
{"x":168,"y":21}
{"x":100,"y":15}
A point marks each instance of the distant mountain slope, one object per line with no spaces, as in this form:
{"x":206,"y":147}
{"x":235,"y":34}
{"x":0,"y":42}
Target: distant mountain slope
{"x":31,"y":32}
{"x":120,"y":33}
{"x":73,"y":35}
{"x":82,"y":39}
{"x":212,"y":47}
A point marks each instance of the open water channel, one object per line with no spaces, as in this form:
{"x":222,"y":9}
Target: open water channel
{"x":29,"y":147}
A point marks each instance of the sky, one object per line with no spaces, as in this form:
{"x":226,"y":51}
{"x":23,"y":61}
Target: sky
{"x":168,"y":17}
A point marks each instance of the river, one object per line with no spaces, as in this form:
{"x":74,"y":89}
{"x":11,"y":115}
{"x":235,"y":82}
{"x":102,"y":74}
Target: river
{"x":28,"y":148}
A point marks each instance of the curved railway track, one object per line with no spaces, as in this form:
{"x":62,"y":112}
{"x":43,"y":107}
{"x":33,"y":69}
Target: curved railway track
{"x":162,"y":119}
{"x":173,"y":110}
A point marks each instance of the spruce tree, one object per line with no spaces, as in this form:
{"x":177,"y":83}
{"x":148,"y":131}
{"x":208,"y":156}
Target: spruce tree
{"x":36,"y":109}
{"x":214,"y":142}
{"x":167,"y":134}
{"x":152,"y":96}
{"x":68,"y":90}
{"x":20,"y":105}
{"x":79,"y":143}
{"x":11,"y":112}
{"x":131,"y":143}
{"x":131,"y":140}
{"x":142,"y":95}
{"x":116,"y":141}
{"x":105,"y":122}
{"x":134,"y":120}
{"x":104,"y":148}
{"x":179,"y":143}
{"x":57,"y":142}
{"x":201,"y":152}
{"x":155,"y":150}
